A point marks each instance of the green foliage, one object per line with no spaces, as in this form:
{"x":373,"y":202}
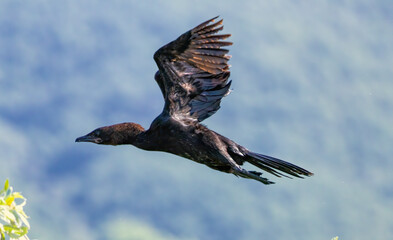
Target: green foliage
{"x":13,"y":220}
{"x":335,"y":238}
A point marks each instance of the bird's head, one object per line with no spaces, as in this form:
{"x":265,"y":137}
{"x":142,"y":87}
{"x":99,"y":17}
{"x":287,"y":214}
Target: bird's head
{"x":122,"y":133}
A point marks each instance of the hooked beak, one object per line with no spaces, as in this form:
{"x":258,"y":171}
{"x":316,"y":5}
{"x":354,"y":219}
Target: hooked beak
{"x":88,"y":138}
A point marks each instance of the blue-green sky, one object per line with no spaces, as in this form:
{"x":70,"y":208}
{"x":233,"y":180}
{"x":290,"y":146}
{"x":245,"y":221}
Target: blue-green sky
{"x":312,"y":84}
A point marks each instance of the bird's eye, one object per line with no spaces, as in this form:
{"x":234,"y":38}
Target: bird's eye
{"x":97,"y":133}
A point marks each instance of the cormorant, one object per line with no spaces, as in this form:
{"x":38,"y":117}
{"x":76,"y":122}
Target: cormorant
{"x":193,"y":77}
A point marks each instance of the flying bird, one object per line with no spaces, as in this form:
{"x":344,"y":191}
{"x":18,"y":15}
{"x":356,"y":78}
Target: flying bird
{"x":193,"y":75}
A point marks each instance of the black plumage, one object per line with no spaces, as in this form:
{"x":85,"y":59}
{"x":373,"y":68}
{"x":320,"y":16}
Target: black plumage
{"x":193,"y":77}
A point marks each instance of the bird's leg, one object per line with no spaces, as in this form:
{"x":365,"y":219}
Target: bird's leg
{"x":252,"y":174}
{"x":256,"y":173}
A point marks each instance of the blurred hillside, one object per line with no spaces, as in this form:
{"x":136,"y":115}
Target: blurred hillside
{"x":312,"y":84}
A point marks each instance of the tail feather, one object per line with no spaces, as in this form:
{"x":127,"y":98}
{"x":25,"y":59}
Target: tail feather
{"x":271,"y":165}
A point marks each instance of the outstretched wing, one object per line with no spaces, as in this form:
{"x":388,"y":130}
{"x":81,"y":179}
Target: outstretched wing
{"x":193,"y":72}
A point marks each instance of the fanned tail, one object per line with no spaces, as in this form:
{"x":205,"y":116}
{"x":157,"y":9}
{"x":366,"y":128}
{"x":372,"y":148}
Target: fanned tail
{"x":276,"y":166}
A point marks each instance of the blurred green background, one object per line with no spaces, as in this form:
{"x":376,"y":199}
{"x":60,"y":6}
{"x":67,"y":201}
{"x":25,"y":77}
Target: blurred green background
{"x":312,"y":84}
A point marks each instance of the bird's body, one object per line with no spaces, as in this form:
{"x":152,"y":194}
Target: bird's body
{"x":198,"y":143}
{"x":193,"y":77}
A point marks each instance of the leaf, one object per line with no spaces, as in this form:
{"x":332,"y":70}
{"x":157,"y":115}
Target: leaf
{"x":15,"y":232}
{"x":8,"y":192}
{"x":23,"y":217}
{"x":6,"y":185}
{"x":17,"y":195}
{"x":18,"y":222}
{"x":9,"y":216}
{"x":3,"y":215}
{"x":9,"y":200}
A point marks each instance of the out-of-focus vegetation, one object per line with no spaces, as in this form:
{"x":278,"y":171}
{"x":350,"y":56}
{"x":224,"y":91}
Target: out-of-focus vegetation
{"x":13,"y":220}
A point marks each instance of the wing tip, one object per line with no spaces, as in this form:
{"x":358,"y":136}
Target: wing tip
{"x":214,"y":19}
{"x":208,"y":23}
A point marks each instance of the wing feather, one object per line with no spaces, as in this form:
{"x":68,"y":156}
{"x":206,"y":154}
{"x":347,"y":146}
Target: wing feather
{"x":193,"y":71}
{"x":209,"y":52}
{"x":214,"y":45}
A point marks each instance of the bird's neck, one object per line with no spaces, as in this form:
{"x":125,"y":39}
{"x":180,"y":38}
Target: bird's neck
{"x":144,"y":141}
{"x":134,"y":134}
{"x":125,"y":133}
